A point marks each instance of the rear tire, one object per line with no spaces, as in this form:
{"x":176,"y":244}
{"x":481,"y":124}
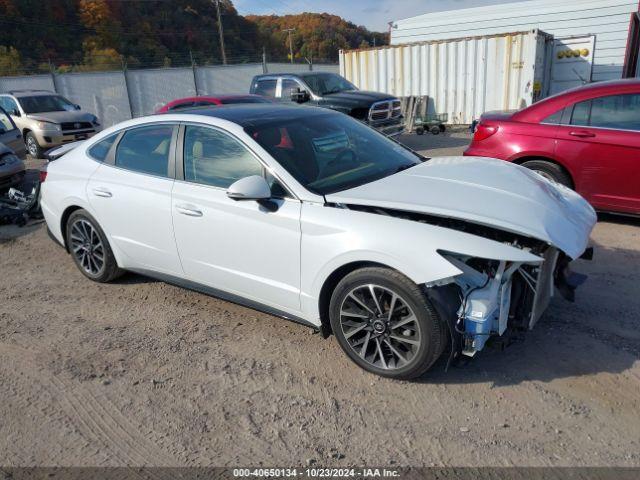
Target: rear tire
{"x":397,"y":334}
{"x":550,"y":171}
{"x":34,"y":149}
{"x":90,"y":248}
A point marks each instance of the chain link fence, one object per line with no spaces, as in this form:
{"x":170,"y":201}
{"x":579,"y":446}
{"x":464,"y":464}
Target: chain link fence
{"x":115,"y":96}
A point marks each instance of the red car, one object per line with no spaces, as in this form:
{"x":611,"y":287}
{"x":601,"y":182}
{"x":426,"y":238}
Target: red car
{"x":202,"y":101}
{"x":587,"y":138}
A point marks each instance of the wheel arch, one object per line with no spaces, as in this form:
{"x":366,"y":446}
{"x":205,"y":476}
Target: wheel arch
{"x":330,"y":284}
{"x":527,"y":158}
{"x":64,"y":219}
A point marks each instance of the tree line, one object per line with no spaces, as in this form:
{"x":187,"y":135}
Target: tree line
{"x":85,"y":35}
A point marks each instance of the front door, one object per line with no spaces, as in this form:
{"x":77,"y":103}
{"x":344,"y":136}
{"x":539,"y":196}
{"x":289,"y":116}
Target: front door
{"x":239,"y":247}
{"x":131,"y":197}
{"x":10,"y":135}
{"x":602,"y":142}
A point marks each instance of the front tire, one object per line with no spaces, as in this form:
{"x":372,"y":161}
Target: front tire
{"x":385,"y":323}
{"x":550,"y":171}
{"x":90,"y":249}
{"x":33,"y":147}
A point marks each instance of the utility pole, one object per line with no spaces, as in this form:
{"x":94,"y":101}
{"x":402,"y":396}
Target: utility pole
{"x":290,"y":43}
{"x":224,"y":55}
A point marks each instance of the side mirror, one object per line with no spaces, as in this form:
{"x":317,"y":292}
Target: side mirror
{"x":299,"y":96}
{"x":254,"y":187}
{"x":76,"y":106}
{"x":15,"y":112}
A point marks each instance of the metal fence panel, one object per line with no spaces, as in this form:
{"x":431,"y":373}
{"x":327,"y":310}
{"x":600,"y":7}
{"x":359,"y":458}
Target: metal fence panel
{"x":287,"y":67}
{"x":221,"y":80}
{"x":102,"y":93}
{"x":327,"y":68}
{"x":151,"y":89}
{"x":27,"y":82}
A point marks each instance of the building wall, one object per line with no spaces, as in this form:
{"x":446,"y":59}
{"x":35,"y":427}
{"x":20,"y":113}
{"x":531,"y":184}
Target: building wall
{"x":607,"y":19}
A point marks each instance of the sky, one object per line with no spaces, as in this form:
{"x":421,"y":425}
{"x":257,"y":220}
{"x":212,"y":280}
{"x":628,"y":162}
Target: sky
{"x":373,"y":14}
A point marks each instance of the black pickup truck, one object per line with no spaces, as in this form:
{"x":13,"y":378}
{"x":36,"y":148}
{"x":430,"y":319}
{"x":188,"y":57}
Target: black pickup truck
{"x":329,"y":90}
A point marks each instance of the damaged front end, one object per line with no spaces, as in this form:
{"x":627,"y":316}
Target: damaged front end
{"x":493,"y":298}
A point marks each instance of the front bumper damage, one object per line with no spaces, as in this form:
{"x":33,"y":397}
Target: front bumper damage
{"x":497,"y":298}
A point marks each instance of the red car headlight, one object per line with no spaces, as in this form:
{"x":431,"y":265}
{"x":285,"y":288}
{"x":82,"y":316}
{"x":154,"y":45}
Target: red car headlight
{"x":484,"y":131}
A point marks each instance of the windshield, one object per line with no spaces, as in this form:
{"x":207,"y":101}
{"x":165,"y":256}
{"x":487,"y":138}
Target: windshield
{"x":327,"y":153}
{"x":46,"y":103}
{"x":326,"y":83}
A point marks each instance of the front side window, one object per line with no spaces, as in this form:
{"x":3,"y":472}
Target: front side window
{"x":46,"y":103}
{"x":146,"y":150}
{"x":5,"y":122}
{"x":327,"y":83}
{"x":329,"y":152}
{"x":266,"y":88}
{"x":214,"y":158}
{"x":288,"y":86}
{"x":8,"y":104}
{"x":100,"y":150}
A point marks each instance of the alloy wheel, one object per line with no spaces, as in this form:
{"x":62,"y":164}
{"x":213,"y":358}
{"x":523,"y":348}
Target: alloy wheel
{"x":32,"y":147}
{"x":380,"y":327}
{"x":87,"y":247}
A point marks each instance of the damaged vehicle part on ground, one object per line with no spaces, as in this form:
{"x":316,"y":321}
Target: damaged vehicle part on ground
{"x":308,"y":214}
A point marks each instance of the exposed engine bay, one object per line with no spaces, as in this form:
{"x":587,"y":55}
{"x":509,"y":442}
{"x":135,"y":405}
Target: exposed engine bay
{"x":492,"y":298}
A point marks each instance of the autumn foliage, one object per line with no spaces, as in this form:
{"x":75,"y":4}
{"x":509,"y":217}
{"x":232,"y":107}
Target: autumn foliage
{"x":71,"y":35}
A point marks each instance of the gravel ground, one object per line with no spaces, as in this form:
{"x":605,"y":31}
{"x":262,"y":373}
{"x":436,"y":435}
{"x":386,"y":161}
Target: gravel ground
{"x":139,"y":372}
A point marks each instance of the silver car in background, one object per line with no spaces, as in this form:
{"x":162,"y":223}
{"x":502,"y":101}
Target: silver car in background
{"x":47,"y":119}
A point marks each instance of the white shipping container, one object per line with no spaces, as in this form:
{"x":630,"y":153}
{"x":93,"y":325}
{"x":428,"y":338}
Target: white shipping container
{"x":463,"y":77}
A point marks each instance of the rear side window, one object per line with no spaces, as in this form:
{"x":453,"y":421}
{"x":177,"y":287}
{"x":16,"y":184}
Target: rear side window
{"x":100,"y":150}
{"x":146,"y":150}
{"x":266,"y":88}
{"x":215,"y":158}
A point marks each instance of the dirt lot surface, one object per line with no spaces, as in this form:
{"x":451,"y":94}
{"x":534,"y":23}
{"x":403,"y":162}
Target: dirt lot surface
{"x":140,"y":372}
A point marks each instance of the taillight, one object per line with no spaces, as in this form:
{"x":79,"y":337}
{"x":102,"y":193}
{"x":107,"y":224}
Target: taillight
{"x":43,"y":175}
{"x":484,"y":131}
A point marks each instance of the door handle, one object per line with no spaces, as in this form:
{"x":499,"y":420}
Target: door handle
{"x":189,"y":210}
{"x":582,"y":133}
{"x":102,"y":192}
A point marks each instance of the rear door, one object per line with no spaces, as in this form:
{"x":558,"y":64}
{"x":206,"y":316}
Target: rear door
{"x":131,"y":197}
{"x":601,"y":144}
{"x":10,"y":135}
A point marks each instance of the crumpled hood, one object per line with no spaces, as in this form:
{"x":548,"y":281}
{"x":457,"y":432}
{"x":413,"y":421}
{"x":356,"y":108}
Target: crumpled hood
{"x":484,"y":191}
{"x":62,"y":117}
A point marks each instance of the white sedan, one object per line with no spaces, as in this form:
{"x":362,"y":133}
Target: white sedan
{"x":308,"y":214}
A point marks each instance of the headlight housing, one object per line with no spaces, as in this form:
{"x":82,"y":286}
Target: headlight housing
{"x":48,"y":126}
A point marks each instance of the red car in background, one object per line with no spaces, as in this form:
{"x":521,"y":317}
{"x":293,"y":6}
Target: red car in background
{"x":202,"y":101}
{"x":587,"y":138}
